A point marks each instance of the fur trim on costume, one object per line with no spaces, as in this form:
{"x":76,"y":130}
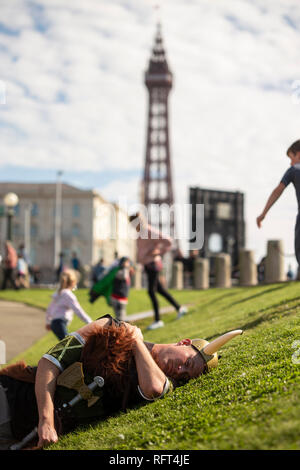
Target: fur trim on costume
{"x":20,"y":371}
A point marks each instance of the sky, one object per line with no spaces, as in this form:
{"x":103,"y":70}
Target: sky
{"x":72,"y":98}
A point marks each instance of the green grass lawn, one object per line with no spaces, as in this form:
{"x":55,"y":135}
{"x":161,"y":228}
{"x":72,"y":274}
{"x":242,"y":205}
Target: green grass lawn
{"x":252,"y":401}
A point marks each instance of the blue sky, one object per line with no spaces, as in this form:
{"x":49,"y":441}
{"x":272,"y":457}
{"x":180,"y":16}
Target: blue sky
{"x":76,"y":102}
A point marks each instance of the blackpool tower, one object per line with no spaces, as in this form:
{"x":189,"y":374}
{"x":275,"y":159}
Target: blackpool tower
{"x":157,"y":182}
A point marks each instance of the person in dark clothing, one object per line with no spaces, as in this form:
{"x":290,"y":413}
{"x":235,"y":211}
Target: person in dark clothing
{"x":98,"y":270}
{"x":60,"y":266}
{"x":10,"y":264}
{"x":75,"y":262}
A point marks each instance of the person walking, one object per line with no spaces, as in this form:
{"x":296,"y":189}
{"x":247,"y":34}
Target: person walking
{"x":60,"y":267}
{"x":75,"y":261}
{"x":60,"y":311}
{"x":10,"y":263}
{"x":22,"y":273}
{"x":151,"y":246}
{"x":98,"y":271}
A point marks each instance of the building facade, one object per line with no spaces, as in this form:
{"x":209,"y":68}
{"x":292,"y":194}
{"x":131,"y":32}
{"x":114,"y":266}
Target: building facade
{"x":90,"y":226}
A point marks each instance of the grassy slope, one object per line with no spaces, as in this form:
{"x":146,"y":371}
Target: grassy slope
{"x":250,"y":402}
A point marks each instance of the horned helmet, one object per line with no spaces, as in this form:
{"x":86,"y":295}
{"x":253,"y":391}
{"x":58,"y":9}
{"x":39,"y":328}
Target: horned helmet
{"x":208,"y":350}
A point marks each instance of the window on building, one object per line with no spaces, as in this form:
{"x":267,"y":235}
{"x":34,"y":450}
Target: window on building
{"x":34,"y":209}
{"x":76,"y":210}
{"x":34,"y":231}
{"x":224,"y":210}
{"x":75,"y":231}
{"x":215,"y":243}
{"x":17,"y":210}
{"x":16,"y":230}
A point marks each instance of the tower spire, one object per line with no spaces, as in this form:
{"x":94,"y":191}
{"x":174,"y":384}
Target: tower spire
{"x":158,"y":188}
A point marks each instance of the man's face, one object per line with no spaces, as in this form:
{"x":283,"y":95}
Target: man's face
{"x":180,"y":361}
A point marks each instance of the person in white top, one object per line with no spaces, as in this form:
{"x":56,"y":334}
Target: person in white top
{"x":64,"y":304}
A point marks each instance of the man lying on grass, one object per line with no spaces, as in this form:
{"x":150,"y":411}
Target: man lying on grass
{"x":134,"y":371}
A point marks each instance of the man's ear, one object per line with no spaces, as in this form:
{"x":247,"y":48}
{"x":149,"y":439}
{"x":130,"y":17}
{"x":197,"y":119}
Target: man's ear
{"x":184,"y":342}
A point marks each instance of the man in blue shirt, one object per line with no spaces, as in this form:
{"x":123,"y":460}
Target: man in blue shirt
{"x":292,"y":175}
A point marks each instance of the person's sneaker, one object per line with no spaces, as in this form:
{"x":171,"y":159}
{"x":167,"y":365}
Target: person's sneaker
{"x":156,"y":324}
{"x":182,"y":311}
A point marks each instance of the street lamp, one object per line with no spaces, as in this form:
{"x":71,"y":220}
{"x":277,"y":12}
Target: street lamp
{"x":58,"y":219}
{"x":10,"y":201}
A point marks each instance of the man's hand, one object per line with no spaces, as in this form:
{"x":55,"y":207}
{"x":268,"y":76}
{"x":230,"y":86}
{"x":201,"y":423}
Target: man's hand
{"x":48,"y":327}
{"x":135,"y":331}
{"x":47,"y":434}
{"x":259,"y":220}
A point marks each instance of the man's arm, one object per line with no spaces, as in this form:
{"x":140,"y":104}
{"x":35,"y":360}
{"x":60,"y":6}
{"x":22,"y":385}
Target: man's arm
{"x":151,"y":378}
{"x":45,"y":385}
{"x":276,"y":193}
{"x":88,"y":329}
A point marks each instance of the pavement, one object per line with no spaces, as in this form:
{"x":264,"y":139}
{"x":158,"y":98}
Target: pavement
{"x":20,"y":327}
{"x":148,"y":313}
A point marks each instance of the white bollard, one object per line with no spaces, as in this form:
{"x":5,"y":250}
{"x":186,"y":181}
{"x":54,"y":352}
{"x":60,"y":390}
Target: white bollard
{"x":137,"y":277}
{"x":223,"y":270}
{"x":274,"y":271}
{"x":248,"y":268}
{"x":201,"y":273}
{"x":177,"y":275}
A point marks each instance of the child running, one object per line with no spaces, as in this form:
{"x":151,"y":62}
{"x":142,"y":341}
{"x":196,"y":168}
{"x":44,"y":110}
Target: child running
{"x":292,"y":175}
{"x":120,"y":290}
{"x":60,"y":311}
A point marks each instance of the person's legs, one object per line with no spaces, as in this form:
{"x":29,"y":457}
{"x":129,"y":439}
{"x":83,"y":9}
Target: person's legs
{"x":122,"y":311}
{"x":10,"y":277}
{"x":4,"y":282}
{"x":297,"y":239}
{"x":162,"y":291}
{"x":152,"y":277}
{"x":119,"y":309}
{"x":59,"y":328}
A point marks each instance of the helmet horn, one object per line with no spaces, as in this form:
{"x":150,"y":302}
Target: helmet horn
{"x":216,"y":344}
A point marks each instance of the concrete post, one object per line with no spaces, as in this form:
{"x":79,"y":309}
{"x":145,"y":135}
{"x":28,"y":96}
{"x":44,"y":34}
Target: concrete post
{"x":201,"y":273}
{"x":275,"y":262}
{"x":177,"y":275}
{"x":223,"y":270}
{"x":137,"y":278}
{"x":248,"y":269}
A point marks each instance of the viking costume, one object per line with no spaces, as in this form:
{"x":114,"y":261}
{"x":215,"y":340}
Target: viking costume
{"x":108,"y":352}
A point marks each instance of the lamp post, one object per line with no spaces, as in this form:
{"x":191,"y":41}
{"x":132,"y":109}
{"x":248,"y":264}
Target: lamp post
{"x":58,"y":219}
{"x":10,"y":201}
{"x":27,"y":226}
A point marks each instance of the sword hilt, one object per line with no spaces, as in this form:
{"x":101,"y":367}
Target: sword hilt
{"x":97,"y":382}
